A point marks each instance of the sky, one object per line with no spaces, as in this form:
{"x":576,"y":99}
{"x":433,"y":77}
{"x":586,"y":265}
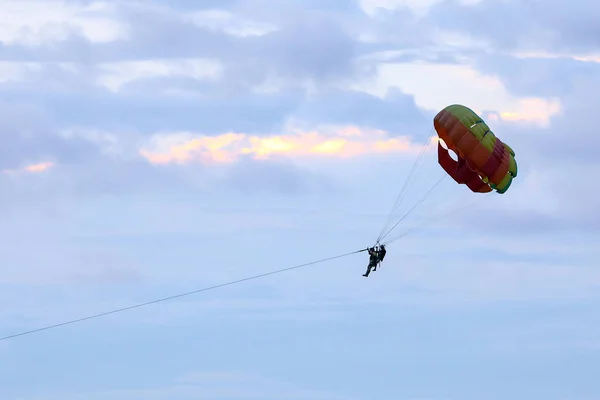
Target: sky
{"x":151,"y":148}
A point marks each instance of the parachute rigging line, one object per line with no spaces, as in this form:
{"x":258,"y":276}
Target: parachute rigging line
{"x":434,"y":218}
{"x":177,"y":296}
{"x":408,"y":180}
{"x":421,"y":200}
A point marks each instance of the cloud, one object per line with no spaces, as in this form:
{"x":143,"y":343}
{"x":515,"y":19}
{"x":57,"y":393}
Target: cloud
{"x":229,"y":147}
{"x":314,"y":47}
{"x":25,"y":137}
{"x":552,"y":25}
{"x":115,"y":75}
{"x":437,"y":85}
{"x":31,"y":168}
{"x":10,"y":71}
{"x":229,"y":23}
{"x":23,"y":25}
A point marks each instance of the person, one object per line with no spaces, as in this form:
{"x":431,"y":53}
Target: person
{"x":376,"y":256}
{"x":373,"y":260}
{"x":382,"y":252}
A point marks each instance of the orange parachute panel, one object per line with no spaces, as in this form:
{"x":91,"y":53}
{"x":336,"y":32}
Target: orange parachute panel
{"x":484,"y":163}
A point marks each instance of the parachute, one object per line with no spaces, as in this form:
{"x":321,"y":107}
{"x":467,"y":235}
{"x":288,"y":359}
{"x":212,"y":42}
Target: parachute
{"x":484,"y":162}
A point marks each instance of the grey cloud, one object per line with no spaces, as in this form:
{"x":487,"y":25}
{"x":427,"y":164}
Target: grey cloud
{"x":214,"y":107}
{"x":314,"y":47}
{"x":536,"y":76}
{"x":278,"y":176}
{"x":315,"y":42}
{"x":74,"y":48}
{"x":553,"y":25}
{"x":402,"y":28}
{"x":191,"y":5}
{"x":567,"y":142}
{"x":215,"y":112}
{"x":310,"y":48}
{"x":156,"y":34}
{"x":440,"y":57}
{"x":90,"y":178}
{"x":153,"y":34}
{"x":397,"y":113}
{"x":27,"y":132}
{"x":259,"y":7}
{"x":30,"y":135}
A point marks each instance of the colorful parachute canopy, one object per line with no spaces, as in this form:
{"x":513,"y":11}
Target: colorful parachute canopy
{"x":484,"y":161}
